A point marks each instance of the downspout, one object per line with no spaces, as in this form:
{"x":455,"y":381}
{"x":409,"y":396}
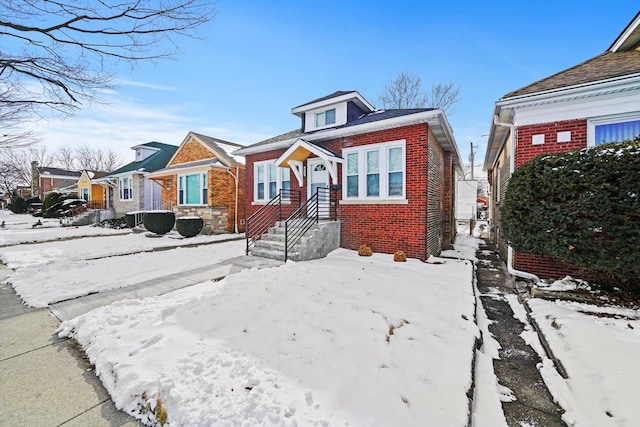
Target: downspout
{"x":235,"y":212}
{"x":512,"y":168}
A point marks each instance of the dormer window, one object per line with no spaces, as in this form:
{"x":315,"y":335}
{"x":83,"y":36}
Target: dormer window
{"x":325,"y":118}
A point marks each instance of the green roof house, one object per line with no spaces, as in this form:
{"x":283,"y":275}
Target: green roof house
{"x":128,"y":187}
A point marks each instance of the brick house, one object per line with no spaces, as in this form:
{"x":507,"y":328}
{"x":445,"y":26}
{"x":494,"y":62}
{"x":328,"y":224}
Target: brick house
{"x":390,"y":173}
{"x":128,"y":189}
{"x":203,"y":178}
{"x":45,"y":180}
{"x":593,"y":102}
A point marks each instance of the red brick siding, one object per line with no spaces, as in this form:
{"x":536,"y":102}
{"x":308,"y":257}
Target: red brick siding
{"x":386,"y":228}
{"x":434,"y":197}
{"x":448,"y":194}
{"x":544,"y":267}
{"x":526,"y":150}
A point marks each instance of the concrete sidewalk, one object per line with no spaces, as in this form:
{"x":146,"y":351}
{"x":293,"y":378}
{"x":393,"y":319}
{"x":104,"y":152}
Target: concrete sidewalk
{"x":48,"y":381}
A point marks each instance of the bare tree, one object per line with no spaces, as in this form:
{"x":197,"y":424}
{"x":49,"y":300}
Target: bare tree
{"x":65,"y":158}
{"x":97,"y":159}
{"x":55,"y":54}
{"x":15,"y":165}
{"x":405,"y":91}
{"x":444,"y":96}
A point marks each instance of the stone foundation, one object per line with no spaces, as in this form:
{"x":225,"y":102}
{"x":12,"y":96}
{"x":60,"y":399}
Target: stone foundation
{"x":216,"y":219}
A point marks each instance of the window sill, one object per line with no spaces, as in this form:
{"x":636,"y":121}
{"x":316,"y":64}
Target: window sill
{"x":374,"y":202}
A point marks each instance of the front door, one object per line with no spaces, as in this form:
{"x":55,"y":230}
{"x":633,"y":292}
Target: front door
{"x":318,"y":177}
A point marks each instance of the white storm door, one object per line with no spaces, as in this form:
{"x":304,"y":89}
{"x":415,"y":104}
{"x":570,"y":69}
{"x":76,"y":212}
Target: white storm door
{"x":318,"y":177}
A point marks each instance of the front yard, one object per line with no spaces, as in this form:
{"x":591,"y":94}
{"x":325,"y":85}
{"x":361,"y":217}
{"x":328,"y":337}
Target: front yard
{"x":344,"y":340}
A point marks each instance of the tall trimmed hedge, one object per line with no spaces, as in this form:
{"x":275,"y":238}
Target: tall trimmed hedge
{"x":582,"y":207}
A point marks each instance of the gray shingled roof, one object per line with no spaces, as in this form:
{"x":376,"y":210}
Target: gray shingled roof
{"x":57,"y":171}
{"x":220,"y":146}
{"x":605,"y":66}
{"x":365,"y":118}
{"x":333,"y":95}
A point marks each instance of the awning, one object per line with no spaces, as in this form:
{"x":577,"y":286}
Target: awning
{"x":300,"y":151}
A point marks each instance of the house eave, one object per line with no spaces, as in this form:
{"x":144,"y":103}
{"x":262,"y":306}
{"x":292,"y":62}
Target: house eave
{"x":586,"y":90}
{"x":352,"y":96}
{"x":434,"y":118}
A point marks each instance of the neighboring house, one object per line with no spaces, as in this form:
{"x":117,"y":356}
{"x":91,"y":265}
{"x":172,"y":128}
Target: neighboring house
{"x":391,"y":173}
{"x":591,"y":103}
{"x":45,"y":180}
{"x":91,"y":191}
{"x":129,"y":189}
{"x":203,"y":178}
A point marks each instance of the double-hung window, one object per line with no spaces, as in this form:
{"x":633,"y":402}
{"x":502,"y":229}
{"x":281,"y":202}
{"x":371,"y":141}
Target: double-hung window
{"x":326,"y":118}
{"x":193,"y":189}
{"x":269,"y":180}
{"x":125,"y":185}
{"x":376,"y":171}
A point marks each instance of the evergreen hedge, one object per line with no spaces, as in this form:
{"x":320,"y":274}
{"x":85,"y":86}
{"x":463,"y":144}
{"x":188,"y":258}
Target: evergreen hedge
{"x":582,"y":207}
{"x":159,"y":222}
{"x":189,"y":226}
{"x":17,"y":204}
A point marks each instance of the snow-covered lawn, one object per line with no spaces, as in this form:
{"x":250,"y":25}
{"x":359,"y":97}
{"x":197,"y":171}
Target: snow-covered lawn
{"x":600,"y":349}
{"x":342,"y":340}
{"x":40,"y":285}
{"x":57,"y":270}
{"x":19,"y":229}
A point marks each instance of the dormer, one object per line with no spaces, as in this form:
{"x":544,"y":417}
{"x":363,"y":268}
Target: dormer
{"x":144,"y":150}
{"x":332,"y":111}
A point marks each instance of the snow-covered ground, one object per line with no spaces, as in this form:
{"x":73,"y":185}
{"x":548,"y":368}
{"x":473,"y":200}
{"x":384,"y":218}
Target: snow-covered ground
{"x":56,"y":270}
{"x":342,"y":340}
{"x":19,"y":229}
{"x":600,"y":350}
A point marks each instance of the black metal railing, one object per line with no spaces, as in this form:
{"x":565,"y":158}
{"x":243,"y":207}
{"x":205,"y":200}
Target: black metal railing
{"x":277,"y":209}
{"x":321,"y":205}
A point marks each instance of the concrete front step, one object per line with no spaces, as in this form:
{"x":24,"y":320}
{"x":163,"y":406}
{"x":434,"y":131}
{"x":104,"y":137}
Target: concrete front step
{"x":271,"y":253}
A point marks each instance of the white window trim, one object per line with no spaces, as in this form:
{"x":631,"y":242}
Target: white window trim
{"x":200,"y":180}
{"x":279,"y":172}
{"x":605,"y":120}
{"x":121,"y":187}
{"x":324,"y":120}
{"x":383,"y":149}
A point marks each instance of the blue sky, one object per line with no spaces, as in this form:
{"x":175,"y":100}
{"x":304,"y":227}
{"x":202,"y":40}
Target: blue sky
{"x":260,"y":59}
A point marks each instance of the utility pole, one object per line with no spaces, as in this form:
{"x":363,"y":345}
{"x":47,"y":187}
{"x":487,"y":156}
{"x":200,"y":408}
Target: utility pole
{"x":471,"y":159}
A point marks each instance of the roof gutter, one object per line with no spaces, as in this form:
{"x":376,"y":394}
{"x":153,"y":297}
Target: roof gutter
{"x":512,"y":165}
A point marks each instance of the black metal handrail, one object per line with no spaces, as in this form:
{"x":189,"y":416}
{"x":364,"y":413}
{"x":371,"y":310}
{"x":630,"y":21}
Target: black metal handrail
{"x":321,"y":205}
{"x":275,"y":210}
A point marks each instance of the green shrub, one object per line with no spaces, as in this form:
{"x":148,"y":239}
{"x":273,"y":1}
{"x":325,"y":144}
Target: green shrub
{"x":189,"y":226}
{"x":51,"y":200}
{"x":159,"y":222}
{"x":582,"y":207}
{"x":18,"y":205}
{"x":116,"y":223}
